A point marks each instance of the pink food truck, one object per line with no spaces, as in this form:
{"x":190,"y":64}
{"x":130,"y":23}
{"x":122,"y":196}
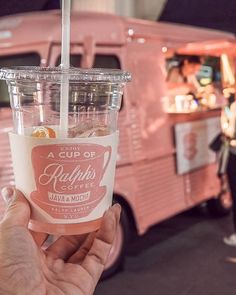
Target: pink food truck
{"x":164,"y":163}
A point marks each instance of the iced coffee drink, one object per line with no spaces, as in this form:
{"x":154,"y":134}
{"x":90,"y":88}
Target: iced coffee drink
{"x":67,"y":174}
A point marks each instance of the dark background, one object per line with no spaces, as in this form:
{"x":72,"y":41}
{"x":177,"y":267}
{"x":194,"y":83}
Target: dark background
{"x":217,"y":14}
{"x":17,"y":6}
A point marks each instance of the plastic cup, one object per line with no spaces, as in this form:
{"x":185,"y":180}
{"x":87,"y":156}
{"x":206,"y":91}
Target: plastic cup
{"x":67,"y":179}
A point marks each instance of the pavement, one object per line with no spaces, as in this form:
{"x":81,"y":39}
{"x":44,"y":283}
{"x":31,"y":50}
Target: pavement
{"x":184,"y":255}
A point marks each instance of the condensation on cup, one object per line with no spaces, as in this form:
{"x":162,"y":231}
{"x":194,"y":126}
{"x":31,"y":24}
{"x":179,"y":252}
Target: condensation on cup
{"x":67,"y":177}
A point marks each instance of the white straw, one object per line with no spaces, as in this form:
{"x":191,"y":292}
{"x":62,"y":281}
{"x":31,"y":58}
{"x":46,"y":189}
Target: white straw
{"x":65,"y":65}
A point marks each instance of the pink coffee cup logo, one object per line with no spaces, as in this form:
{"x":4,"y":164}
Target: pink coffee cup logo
{"x":190,"y":145}
{"x":68,"y":178}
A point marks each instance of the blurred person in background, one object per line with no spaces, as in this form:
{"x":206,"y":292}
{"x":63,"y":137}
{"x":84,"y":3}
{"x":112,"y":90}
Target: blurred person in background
{"x":182,"y":79}
{"x":228,"y":156}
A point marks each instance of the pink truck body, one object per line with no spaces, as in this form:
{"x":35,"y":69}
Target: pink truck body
{"x":147,"y":181}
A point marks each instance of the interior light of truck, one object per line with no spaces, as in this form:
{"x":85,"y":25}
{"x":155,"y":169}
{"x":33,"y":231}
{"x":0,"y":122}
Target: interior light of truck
{"x":130,"y":32}
{"x":205,"y":81}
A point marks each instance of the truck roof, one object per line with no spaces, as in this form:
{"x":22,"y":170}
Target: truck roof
{"x":109,"y":29}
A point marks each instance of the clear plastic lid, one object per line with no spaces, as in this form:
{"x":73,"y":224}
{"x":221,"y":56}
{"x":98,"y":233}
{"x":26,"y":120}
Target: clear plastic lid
{"x":56,"y":74}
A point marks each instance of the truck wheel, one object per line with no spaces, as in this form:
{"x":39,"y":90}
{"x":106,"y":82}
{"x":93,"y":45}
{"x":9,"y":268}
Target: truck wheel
{"x":220,"y":206}
{"x":117,"y":254}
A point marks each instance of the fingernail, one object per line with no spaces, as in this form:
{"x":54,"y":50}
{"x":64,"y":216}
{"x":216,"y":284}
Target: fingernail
{"x":116,"y":209}
{"x":8,"y":194}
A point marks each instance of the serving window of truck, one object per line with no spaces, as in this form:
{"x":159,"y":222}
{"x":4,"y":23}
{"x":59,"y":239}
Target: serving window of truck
{"x":210,"y":84}
{"x":195,"y":109}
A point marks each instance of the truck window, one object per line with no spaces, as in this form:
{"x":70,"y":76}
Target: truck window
{"x":75,"y":60}
{"x":106,"y":61}
{"x":25,"y":59}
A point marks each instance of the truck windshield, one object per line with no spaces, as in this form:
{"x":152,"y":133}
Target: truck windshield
{"x":24,"y":59}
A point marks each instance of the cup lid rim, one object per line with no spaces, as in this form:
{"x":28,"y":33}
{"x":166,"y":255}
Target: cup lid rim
{"x":56,"y":74}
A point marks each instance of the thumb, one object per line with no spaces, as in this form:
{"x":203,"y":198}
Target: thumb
{"x":18,"y":210}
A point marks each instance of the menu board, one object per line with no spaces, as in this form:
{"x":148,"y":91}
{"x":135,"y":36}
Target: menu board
{"x":192,"y":143}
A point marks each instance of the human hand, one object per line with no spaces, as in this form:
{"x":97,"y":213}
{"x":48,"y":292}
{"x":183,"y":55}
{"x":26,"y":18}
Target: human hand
{"x":70,"y":266}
